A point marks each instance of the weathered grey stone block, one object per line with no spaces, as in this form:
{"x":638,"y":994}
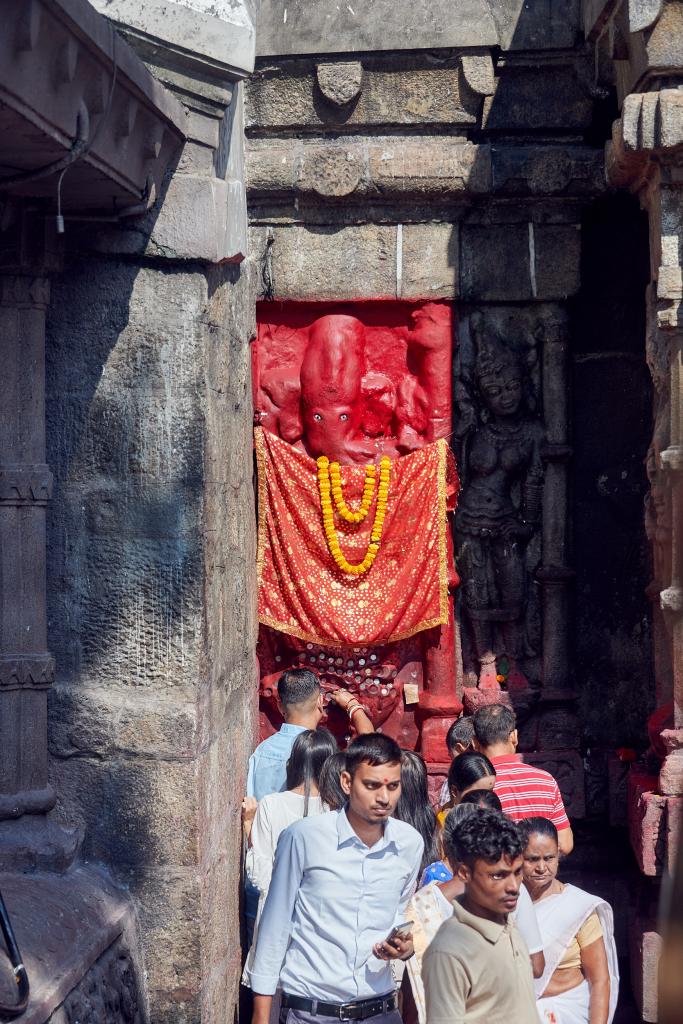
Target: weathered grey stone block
{"x":170,"y":920}
{"x":101,"y":723}
{"x":478,"y":72}
{"x":153,"y":813}
{"x":221,"y":32}
{"x":430,"y":263}
{"x":551,"y":25}
{"x":401,"y":93}
{"x":548,"y":170}
{"x":533,"y":98}
{"x":297,"y":26}
{"x":135,"y":812}
{"x":138,"y":618}
{"x":327,"y":262}
{"x":652,"y":120}
{"x":388,"y":168}
{"x":495,"y":262}
{"x":80,"y":724}
{"x":434,"y":167}
{"x":272,"y":166}
{"x":331,"y":171}
{"x":557,"y":249}
{"x":201,"y":219}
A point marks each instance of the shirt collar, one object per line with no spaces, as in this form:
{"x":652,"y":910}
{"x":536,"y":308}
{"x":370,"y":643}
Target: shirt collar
{"x":490,"y":930}
{"x":504,"y":759}
{"x":291,"y":730}
{"x":346,"y":833}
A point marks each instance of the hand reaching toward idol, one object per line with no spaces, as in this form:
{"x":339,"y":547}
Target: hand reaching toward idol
{"x":349,"y":703}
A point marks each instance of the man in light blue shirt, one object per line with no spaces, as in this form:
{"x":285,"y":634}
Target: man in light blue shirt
{"x":341,"y":882}
{"x":301,"y":705}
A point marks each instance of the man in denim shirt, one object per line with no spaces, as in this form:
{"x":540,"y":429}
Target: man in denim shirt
{"x":300,"y":702}
{"x":301,"y":705}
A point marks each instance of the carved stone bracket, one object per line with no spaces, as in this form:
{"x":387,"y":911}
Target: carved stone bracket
{"x":25,"y":485}
{"x":33,"y":672}
{"x":653,"y":120}
{"x":340,"y":83}
{"x":478,"y":73}
{"x":651,"y":127}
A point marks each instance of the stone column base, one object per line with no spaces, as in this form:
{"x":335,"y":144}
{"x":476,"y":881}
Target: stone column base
{"x":76,"y":935}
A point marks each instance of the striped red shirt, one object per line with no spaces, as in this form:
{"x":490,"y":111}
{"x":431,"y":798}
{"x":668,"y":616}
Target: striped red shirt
{"x":527,"y":792}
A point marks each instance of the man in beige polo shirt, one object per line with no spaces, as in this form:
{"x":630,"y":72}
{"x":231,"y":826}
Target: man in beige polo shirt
{"x":477,"y":968}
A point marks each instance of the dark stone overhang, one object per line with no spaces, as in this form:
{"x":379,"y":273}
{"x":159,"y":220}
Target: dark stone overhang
{"x":74,"y":97}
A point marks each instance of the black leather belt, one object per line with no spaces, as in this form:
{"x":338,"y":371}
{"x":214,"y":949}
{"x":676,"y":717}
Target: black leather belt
{"x":361,"y":1009}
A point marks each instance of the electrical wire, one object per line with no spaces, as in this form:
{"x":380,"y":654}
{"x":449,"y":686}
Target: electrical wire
{"x":81,"y":145}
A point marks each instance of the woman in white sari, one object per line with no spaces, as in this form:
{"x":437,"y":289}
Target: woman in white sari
{"x":580,"y":983}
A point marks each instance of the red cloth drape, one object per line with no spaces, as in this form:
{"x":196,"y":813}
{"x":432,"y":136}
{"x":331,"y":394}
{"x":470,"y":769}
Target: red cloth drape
{"x":302,"y":592}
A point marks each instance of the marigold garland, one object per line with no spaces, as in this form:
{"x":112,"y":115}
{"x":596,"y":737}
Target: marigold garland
{"x":368,"y":491}
{"x":327,"y":470}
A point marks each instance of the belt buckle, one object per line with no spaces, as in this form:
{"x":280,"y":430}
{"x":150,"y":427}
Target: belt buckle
{"x":345,"y":1011}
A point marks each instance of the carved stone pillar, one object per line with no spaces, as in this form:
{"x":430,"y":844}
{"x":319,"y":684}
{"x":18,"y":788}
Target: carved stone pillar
{"x":671,"y":774}
{"x":557,"y":730}
{"x":26,"y":667}
{"x":554,"y":573}
{"x":663,"y":196}
{"x":644,"y":156}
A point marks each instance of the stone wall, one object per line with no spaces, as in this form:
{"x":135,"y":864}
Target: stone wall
{"x":462,"y":172}
{"x":151,"y":600}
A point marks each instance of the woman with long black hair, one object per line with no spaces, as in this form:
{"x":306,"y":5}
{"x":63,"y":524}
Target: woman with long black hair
{"x":468,"y":772}
{"x":278,"y":810}
{"x":414,"y":806}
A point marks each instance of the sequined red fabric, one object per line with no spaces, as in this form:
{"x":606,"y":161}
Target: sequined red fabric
{"x":301,"y":590}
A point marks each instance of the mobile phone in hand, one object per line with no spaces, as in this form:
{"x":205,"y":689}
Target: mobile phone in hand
{"x":399,"y":931}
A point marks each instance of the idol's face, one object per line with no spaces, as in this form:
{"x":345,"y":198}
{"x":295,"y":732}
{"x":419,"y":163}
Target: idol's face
{"x":502,"y":394}
{"x":329,"y":428}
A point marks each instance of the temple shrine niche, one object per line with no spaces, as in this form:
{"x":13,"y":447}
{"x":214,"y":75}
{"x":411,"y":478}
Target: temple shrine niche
{"x":365,"y":388}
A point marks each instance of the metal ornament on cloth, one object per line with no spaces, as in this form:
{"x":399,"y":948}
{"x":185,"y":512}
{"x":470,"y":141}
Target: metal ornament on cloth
{"x":301,"y":590}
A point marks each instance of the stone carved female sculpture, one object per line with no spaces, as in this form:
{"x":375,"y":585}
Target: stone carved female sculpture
{"x":500,"y":502}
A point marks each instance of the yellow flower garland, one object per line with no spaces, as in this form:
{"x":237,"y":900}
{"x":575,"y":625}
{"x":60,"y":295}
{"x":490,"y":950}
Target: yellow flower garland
{"x":325,"y":469}
{"x":368,"y":490}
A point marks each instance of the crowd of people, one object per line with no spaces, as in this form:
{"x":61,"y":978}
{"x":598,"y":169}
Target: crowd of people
{"x":366,"y":902}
